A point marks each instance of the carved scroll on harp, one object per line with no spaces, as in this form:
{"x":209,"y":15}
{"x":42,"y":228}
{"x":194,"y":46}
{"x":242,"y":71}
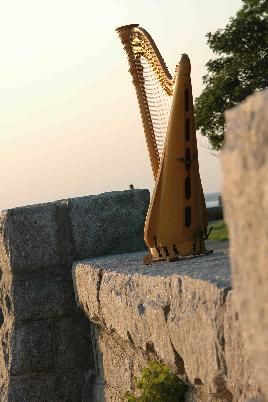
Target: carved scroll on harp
{"x":176,"y":220}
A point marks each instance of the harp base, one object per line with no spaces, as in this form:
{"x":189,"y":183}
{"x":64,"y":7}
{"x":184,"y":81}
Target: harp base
{"x":150,"y":258}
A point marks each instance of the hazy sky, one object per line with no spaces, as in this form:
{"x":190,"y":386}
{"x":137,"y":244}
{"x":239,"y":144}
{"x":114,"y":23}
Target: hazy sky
{"x":69,"y":119}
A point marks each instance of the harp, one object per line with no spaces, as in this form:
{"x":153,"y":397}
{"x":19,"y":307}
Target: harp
{"x":176,"y":222}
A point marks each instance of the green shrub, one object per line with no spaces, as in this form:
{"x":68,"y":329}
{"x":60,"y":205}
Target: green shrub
{"x":157,"y":384}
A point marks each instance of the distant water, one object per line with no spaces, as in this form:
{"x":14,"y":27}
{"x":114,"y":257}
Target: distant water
{"x":212,"y":199}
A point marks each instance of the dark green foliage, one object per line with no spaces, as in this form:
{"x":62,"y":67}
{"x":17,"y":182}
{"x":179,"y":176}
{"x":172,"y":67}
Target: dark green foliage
{"x":240,"y":68}
{"x":157,"y":384}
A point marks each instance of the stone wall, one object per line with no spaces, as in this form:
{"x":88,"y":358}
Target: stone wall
{"x":46,"y":351}
{"x":180,"y":313}
{"x":245,"y":167}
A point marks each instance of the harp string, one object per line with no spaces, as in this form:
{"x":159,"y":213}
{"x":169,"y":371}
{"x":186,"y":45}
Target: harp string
{"x":159,"y":103}
{"x":154,"y":87}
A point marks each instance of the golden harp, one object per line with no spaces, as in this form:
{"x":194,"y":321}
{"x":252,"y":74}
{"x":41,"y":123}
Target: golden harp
{"x":176,"y":222}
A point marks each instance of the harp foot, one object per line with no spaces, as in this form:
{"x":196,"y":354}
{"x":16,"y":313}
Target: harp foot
{"x":149,"y":259}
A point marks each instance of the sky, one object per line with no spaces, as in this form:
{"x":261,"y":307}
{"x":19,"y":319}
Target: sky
{"x":69,"y":118}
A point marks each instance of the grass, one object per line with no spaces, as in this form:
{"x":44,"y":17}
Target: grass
{"x":219,"y":231}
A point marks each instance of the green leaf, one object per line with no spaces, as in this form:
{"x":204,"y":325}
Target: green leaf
{"x":240,"y":68}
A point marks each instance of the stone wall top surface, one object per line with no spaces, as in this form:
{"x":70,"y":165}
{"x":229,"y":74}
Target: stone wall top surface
{"x":213,"y":268}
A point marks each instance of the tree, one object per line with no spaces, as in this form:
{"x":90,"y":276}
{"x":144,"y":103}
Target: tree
{"x":240,"y":68}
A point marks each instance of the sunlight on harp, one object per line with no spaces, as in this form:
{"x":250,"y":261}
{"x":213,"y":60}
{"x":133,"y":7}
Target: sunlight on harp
{"x":176,"y":222}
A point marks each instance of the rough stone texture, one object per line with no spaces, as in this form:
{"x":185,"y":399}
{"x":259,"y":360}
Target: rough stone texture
{"x":31,"y":237}
{"x":46,"y":348}
{"x":114,"y":355}
{"x":241,"y":377}
{"x":181,"y":313}
{"x":32,"y":348}
{"x":108,"y":223}
{"x":245,"y":165}
{"x":45,"y":387}
{"x":33,"y":300}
